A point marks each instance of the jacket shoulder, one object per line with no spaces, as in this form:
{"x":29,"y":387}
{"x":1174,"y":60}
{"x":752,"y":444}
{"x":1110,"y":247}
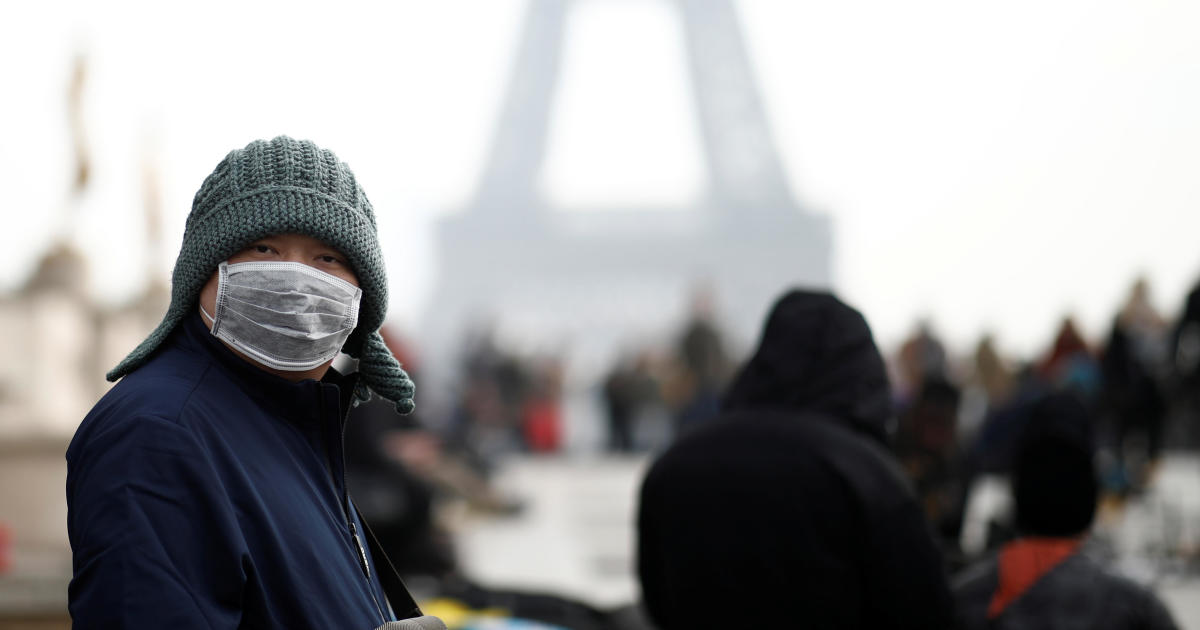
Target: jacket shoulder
{"x":824,"y":446}
{"x":867,"y":468}
{"x":159,"y":390}
{"x":1078,"y":593}
{"x":1119,"y":597}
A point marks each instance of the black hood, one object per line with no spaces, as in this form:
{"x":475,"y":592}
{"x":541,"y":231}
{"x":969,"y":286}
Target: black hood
{"x":817,"y":355}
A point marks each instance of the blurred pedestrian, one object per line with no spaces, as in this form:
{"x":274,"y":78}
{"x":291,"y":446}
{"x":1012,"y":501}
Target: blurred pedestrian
{"x":1133,"y":362}
{"x":992,"y":374}
{"x":1069,"y":363}
{"x":921,"y":357}
{"x":926,"y":446}
{"x":1041,"y":579}
{"x":207,"y":488}
{"x":488,"y":422}
{"x":786,"y":511}
{"x":1184,"y":361}
{"x":629,"y":391}
{"x":541,"y":414}
{"x":702,"y":355}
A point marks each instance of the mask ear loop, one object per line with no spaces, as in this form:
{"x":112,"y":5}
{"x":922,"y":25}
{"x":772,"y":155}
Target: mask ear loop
{"x":205,"y":314}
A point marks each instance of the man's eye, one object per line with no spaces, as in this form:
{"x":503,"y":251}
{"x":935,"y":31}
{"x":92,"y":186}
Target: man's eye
{"x":329,"y":259}
{"x":262,"y":249}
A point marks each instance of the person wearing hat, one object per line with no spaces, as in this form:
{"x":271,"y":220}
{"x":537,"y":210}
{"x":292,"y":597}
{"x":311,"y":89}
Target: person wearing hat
{"x":207,"y":489}
{"x":1043,"y":579}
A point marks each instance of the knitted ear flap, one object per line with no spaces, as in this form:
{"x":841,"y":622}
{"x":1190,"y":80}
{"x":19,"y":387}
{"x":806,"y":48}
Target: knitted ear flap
{"x":381,"y":372}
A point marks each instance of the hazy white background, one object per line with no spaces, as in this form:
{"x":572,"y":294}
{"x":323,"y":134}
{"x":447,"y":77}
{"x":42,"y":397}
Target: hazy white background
{"x":989,"y":165}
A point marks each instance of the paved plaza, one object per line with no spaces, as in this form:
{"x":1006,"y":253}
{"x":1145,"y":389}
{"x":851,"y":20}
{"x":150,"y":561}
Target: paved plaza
{"x":576,"y":536}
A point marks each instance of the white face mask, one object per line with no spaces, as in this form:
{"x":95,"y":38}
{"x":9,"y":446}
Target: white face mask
{"x":285,"y":315}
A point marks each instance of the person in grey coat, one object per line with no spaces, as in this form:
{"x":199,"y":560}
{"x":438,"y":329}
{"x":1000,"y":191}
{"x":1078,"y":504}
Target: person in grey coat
{"x":1041,"y":579}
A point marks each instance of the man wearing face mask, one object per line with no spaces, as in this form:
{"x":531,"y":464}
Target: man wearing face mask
{"x":207,"y":488}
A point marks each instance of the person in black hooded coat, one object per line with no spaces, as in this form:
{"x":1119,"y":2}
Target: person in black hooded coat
{"x":787,"y":510}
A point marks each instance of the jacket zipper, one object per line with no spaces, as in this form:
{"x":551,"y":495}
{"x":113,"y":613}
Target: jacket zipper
{"x":362,"y":553}
{"x":345,"y":497}
{"x":362,"y":557}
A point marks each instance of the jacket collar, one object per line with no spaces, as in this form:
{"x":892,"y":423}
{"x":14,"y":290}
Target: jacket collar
{"x":302,"y":402}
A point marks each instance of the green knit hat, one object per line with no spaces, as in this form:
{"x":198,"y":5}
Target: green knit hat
{"x":279,"y":187}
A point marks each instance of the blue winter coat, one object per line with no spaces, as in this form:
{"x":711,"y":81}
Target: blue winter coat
{"x":203,"y":492}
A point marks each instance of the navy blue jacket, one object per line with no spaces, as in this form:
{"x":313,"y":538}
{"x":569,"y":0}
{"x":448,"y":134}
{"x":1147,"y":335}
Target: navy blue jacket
{"x":203,"y":492}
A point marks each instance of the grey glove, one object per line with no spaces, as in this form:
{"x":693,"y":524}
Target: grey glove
{"x":427,"y":622}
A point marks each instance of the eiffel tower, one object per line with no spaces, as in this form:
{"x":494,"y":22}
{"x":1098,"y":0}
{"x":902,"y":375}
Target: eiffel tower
{"x":591,"y":279}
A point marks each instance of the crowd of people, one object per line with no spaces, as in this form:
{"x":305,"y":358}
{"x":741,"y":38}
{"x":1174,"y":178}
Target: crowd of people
{"x":812,"y":485}
{"x":957,"y":422}
{"x":735,"y":442}
{"x":794,"y":507}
